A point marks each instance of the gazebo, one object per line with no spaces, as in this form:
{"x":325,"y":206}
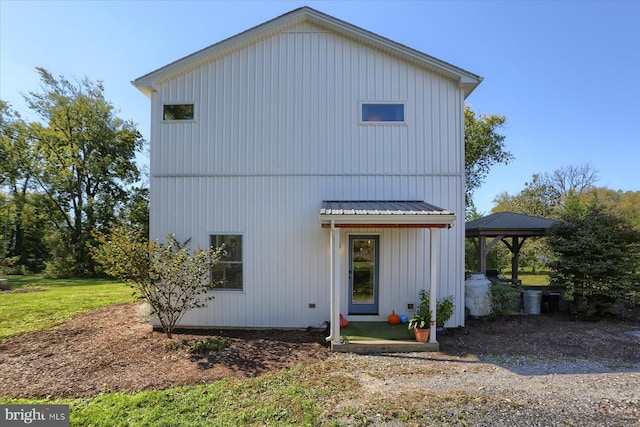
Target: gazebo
{"x":501,"y":226}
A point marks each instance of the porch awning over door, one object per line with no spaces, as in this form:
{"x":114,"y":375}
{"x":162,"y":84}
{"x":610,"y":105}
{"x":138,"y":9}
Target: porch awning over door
{"x":384,"y":214}
{"x":336,"y":214}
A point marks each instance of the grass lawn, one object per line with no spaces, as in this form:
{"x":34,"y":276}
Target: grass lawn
{"x":540,"y":278}
{"x":52,"y":302}
{"x":289,"y":398}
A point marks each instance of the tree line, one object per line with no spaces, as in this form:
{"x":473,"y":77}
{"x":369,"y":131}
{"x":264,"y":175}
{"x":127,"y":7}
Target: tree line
{"x":66,"y":175}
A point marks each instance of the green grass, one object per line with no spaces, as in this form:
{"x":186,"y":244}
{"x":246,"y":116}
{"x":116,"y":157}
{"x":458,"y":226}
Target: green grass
{"x":366,"y":331}
{"x":54,"y":301}
{"x":290,"y":397}
{"x":540,"y":278}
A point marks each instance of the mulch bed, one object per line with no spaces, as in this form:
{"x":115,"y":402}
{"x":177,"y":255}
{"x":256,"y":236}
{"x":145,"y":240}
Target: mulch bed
{"x":114,"y":349}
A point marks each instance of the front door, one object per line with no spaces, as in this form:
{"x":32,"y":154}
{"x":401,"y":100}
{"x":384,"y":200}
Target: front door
{"x":363,"y":274}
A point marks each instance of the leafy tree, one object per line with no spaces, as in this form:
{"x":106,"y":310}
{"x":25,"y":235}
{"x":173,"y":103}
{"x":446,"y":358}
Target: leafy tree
{"x":167,"y":276}
{"x":84,"y":158}
{"x":625,"y":204}
{"x":16,"y":172}
{"x":135,"y":214}
{"x":484,"y":147}
{"x":536,"y":199}
{"x":597,"y":257}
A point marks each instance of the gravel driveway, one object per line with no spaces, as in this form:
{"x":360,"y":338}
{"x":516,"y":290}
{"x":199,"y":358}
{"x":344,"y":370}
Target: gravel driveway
{"x":490,"y":391}
{"x":564,"y":373}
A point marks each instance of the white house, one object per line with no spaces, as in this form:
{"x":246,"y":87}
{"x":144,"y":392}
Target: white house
{"x":330,"y":162}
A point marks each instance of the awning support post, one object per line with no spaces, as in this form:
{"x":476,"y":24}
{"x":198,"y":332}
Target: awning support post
{"x":433,"y":289}
{"x":335,"y":284}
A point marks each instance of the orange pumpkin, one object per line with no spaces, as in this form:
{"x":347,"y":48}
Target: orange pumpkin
{"x":343,"y":322}
{"x":394,"y":319}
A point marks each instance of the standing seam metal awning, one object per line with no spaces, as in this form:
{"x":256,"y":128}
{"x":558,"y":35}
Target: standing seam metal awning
{"x":384,"y":214}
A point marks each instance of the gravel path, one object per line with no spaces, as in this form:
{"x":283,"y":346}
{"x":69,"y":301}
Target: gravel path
{"x":439,"y":389}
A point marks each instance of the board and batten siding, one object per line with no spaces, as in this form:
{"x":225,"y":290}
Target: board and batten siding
{"x":276,"y":131}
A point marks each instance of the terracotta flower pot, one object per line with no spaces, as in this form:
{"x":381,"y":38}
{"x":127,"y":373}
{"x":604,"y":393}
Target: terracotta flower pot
{"x":422,"y":335}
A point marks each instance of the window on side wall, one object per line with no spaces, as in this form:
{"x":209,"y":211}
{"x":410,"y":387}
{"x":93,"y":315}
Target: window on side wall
{"x":227,"y":272}
{"x":382,"y":112}
{"x":172,"y":112}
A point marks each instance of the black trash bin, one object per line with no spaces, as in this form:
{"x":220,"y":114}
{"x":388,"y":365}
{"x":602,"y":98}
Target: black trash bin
{"x":551,"y":302}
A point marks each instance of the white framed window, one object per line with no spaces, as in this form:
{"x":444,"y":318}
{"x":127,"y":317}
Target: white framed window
{"x":382,"y":112}
{"x":175,"y":112}
{"x":227,"y":272}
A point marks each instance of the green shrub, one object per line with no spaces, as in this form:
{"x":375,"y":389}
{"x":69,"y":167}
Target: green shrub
{"x":597,"y":257}
{"x":505,"y":299}
{"x":170,"y":277}
{"x":210,"y":344}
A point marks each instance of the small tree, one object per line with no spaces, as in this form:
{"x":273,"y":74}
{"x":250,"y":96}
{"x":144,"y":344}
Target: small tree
{"x":597,"y":257}
{"x":167,"y":276}
{"x":483,"y":147}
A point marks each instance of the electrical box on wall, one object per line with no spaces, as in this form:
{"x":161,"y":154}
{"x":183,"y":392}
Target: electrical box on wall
{"x":411,"y":306}
{"x":312,"y":305}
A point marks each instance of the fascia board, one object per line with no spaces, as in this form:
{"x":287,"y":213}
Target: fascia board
{"x":448,"y":219}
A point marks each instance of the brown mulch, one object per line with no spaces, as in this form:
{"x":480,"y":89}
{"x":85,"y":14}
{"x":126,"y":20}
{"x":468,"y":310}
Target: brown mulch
{"x":550,"y":336}
{"x":114,"y":349}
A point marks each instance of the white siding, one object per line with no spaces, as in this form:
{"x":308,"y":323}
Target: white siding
{"x":276,"y":132}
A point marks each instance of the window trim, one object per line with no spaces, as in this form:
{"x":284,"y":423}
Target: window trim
{"x":361,"y":105}
{"x":242,"y":261}
{"x":162,"y":116}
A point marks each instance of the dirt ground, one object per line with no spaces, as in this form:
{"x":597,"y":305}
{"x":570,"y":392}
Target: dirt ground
{"x":114,"y":349}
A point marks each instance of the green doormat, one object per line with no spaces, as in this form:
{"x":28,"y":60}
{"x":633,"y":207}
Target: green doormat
{"x":369,"y":331}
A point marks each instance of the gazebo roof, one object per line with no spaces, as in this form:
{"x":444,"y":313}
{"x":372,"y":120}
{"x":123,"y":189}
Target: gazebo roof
{"x":508,"y":224}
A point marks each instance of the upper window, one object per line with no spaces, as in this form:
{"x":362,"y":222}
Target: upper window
{"x":227,"y":272}
{"x":382,"y":112}
{"x":177,"y":112}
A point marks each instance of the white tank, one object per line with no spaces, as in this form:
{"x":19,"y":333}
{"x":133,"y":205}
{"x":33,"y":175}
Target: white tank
{"x":476,"y":295}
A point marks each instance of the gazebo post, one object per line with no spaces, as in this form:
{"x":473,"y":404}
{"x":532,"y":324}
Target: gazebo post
{"x":515,"y":255}
{"x":482,"y":255}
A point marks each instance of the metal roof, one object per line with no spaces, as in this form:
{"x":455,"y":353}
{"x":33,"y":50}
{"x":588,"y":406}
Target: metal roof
{"x":407,"y":213}
{"x":508,"y":223}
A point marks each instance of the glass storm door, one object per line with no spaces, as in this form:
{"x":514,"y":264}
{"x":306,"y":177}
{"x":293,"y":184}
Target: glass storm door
{"x":363,"y":274}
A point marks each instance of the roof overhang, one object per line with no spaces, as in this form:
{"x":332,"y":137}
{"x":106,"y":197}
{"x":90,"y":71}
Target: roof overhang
{"x":384,"y":214}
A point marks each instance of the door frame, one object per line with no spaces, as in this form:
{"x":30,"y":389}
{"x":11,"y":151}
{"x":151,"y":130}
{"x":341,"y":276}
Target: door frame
{"x":372,"y":309}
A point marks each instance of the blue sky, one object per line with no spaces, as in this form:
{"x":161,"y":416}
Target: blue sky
{"x":565,"y":74}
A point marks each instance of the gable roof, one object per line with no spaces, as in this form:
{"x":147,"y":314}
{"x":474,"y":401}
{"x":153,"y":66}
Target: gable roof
{"x":384,"y":213}
{"x":508,"y":223}
{"x":466,"y":80}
